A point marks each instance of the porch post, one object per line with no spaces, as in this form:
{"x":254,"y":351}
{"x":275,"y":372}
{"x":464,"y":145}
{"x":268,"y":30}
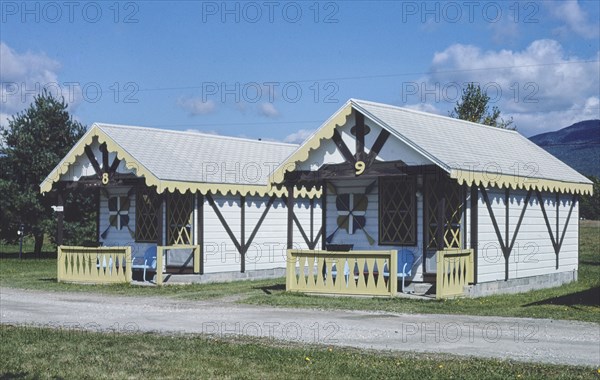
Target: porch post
{"x":474,"y":229}
{"x":59,"y":217}
{"x":324,"y":215}
{"x":290,"y":216}
{"x":159,"y":220}
{"x":200,"y":222}
{"x":441,"y":221}
{"x":243,"y":234}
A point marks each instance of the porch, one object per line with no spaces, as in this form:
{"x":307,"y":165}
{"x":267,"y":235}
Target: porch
{"x":368,"y":273}
{"x":388,"y":210}
{"x":114,"y":265}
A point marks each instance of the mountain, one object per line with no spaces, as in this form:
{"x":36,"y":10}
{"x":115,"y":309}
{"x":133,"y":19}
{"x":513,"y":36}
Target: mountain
{"x":577,"y":145}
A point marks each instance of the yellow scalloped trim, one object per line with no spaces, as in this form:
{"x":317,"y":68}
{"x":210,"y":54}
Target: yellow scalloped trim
{"x":503,"y":181}
{"x":302,"y":154}
{"x":166,"y":185}
{"x":462,"y":176}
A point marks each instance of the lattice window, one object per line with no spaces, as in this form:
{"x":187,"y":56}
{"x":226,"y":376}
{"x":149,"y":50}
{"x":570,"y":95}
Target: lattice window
{"x":147,"y":206}
{"x":397,"y":211}
{"x":437,"y":189}
{"x":180,"y":209}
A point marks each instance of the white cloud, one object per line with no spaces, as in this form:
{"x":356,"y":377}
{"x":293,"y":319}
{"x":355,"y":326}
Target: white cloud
{"x":504,"y":30}
{"x":560,"y":118}
{"x":196,"y":106}
{"x":574,"y":17}
{"x":541,"y":86}
{"x":268,"y":110}
{"x":298,"y":136}
{"x":424,"y":107}
{"x":24,"y":75}
{"x":209,"y":132}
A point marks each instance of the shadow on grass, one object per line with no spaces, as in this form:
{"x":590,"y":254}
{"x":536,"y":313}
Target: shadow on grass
{"x":592,"y":263}
{"x":27,"y":256}
{"x":14,"y":375}
{"x":270,"y":289}
{"x":589,"y":297}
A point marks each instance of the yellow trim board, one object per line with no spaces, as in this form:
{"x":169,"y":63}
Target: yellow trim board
{"x":313,"y":143}
{"x":161,"y":185}
{"x":467,"y":177}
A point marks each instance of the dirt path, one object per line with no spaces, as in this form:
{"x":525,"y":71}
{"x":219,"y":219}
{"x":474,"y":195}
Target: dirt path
{"x":533,"y":340}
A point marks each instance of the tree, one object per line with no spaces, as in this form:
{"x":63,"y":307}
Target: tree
{"x":590,"y":204}
{"x":474,"y":106}
{"x":33,"y":143}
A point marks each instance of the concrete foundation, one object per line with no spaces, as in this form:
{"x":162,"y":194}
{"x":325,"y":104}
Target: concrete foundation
{"x":223,"y":277}
{"x":520,"y":285}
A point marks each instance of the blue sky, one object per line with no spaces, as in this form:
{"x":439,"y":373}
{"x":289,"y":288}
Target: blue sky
{"x":277,"y":70}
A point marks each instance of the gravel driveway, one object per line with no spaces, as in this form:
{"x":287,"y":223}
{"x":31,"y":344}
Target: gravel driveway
{"x":533,"y":340}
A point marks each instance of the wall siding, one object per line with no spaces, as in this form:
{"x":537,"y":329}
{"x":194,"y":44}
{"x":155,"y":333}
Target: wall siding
{"x":269,"y":246}
{"x":533,"y":253}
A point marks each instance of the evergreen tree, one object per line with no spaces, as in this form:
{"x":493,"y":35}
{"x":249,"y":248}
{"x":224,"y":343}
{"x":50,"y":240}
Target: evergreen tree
{"x":32,"y":144}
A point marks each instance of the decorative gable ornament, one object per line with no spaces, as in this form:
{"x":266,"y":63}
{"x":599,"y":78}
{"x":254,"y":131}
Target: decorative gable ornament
{"x":118,"y":211}
{"x":351,"y":210}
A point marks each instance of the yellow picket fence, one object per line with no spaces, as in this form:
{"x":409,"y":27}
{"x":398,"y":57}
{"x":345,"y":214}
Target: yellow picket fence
{"x":100,"y":265}
{"x":454,"y":272}
{"x":110,"y":265}
{"x":353,"y":272}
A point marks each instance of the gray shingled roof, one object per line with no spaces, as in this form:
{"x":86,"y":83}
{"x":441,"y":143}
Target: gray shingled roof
{"x":198,"y":157}
{"x":458,"y":144}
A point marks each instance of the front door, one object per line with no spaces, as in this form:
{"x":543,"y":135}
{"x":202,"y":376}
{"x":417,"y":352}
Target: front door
{"x":444,"y":219}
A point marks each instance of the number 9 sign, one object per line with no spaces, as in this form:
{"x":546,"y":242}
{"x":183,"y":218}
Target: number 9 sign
{"x":360,"y":167}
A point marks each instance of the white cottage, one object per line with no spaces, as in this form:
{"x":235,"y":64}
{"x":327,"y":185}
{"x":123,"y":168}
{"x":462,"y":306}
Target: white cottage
{"x":203,"y":199}
{"x":376,"y":192}
{"x":473,"y":208}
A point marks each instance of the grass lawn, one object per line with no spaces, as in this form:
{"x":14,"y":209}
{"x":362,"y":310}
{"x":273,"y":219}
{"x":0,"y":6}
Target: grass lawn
{"x":576,"y":301}
{"x":29,"y":352}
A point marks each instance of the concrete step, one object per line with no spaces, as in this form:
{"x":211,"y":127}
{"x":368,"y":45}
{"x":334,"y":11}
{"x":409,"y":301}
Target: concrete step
{"x":422,"y":287}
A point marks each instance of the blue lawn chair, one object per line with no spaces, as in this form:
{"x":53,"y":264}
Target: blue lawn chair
{"x":149,"y":261}
{"x":406,"y":260}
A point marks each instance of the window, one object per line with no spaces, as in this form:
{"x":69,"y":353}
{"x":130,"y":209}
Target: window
{"x":397,"y":211}
{"x":147,"y":205}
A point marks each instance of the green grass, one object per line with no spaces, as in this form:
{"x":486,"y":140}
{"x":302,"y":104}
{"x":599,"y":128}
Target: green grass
{"x":40,"y":274}
{"x":575,"y":301}
{"x":29,"y":353}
